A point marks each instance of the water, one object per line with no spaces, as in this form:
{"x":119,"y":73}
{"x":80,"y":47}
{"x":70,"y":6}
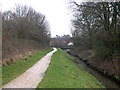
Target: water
{"x":108,"y":83}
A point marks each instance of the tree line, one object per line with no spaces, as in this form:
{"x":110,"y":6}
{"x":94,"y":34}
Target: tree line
{"x":97,"y":26}
{"x":23,"y":30}
{"x":24,"y":22}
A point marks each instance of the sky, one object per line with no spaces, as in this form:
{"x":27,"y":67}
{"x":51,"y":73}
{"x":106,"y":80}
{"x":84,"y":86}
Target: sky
{"x":56,"y":12}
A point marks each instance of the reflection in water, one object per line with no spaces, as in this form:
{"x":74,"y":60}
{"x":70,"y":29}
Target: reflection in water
{"x":108,"y":83}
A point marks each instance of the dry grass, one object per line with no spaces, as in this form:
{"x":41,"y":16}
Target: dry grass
{"x":16,"y":49}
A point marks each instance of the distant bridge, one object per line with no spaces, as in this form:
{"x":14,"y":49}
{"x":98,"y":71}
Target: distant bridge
{"x":67,"y":48}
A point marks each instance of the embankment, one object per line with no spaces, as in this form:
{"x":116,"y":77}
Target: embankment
{"x":17,"y":49}
{"x":15,"y":69}
{"x":101,"y":71}
{"x":64,"y":73}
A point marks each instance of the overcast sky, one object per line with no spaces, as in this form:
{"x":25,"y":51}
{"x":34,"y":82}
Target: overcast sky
{"x":56,"y":11}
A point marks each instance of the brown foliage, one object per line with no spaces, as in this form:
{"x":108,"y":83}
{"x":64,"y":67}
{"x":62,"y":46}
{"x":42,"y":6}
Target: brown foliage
{"x":24,"y":31}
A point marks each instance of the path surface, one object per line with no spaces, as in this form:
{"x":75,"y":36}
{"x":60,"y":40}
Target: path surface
{"x":32,"y":77}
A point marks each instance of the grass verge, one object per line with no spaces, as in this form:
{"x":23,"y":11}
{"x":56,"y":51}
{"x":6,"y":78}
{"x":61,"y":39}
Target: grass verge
{"x":13,"y":70}
{"x":64,"y":73}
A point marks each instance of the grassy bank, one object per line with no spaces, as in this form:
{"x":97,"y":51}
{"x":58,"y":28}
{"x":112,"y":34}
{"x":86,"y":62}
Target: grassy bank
{"x":64,"y":73}
{"x":13,"y":70}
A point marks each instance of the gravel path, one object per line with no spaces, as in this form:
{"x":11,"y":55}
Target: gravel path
{"x":32,"y":77}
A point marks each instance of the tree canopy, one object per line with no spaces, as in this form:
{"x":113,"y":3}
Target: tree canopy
{"x":97,"y":26}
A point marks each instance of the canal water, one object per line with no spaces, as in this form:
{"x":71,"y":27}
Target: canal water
{"x":106,"y":82}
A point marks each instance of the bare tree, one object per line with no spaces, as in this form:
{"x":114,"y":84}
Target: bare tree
{"x":96,"y":27}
